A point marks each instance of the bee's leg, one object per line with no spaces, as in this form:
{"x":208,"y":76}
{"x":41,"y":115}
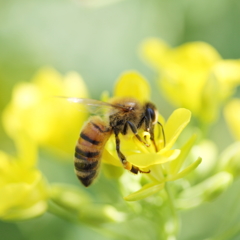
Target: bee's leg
{"x":141,"y":122}
{"x":123,"y":159}
{"x":163,"y":134}
{"x":127,"y":165}
{"x":152,"y":138}
{"x":125,"y":129}
{"x":150,"y":128}
{"x":134,"y":130}
{"x":135,"y":170}
{"x":148,"y":120}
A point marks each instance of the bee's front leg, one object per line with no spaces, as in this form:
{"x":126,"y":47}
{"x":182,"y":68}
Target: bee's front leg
{"x":149,"y":127}
{"x":134,"y":130}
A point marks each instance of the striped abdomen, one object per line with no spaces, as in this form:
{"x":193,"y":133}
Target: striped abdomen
{"x":89,"y":148}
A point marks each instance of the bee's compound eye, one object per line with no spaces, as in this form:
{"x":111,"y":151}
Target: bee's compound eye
{"x":153,"y":115}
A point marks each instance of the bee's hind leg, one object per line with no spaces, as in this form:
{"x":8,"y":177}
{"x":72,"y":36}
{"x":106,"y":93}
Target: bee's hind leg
{"x":127,"y":165}
{"x":123,"y":159}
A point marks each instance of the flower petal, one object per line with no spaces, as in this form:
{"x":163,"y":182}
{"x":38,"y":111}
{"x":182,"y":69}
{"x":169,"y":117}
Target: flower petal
{"x":210,"y":100}
{"x":132,"y":84}
{"x":175,"y":124}
{"x":228,"y":72}
{"x":108,"y":158}
{"x":145,"y":191}
{"x":145,"y":160}
{"x":177,"y":163}
{"x":153,"y":50}
{"x":196,"y":55}
{"x":74,"y":85}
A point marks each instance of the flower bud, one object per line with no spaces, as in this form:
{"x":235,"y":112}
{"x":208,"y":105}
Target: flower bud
{"x":204,"y":191}
{"x":230,"y":160}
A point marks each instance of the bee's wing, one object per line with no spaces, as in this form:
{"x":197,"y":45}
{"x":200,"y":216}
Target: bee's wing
{"x":94,"y":106}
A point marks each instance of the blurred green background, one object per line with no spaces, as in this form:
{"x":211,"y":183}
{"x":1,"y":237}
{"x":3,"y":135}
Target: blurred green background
{"x":100,"y":42}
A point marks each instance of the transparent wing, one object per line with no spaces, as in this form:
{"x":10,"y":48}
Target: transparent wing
{"x":94,"y":106}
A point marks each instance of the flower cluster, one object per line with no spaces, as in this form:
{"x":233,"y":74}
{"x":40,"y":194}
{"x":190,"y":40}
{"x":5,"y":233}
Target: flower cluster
{"x":35,"y":118}
{"x":23,"y":189}
{"x":35,"y":110}
{"x":193,"y":76}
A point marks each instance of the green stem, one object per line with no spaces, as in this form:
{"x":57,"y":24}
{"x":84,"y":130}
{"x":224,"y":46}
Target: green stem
{"x":175,"y":218}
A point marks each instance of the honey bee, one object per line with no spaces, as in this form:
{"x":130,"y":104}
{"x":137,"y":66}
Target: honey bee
{"x":123,"y":115}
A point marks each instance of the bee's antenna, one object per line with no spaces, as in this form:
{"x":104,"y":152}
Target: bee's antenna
{"x":164,"y":138}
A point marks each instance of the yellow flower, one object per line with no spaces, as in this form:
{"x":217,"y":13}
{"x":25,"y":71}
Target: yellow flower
{"x":48,"y":121}
{"x":193,"y":76}
{"x":232,"y":116}
{"x":23,"y":191}
{"x":165,"y":165}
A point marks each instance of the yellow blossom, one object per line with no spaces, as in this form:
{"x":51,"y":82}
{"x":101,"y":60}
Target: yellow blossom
{"x":23,"y":190}
{"x":48,"y":121}
{"x":193,"y":75}
{"x":165,"y":165}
